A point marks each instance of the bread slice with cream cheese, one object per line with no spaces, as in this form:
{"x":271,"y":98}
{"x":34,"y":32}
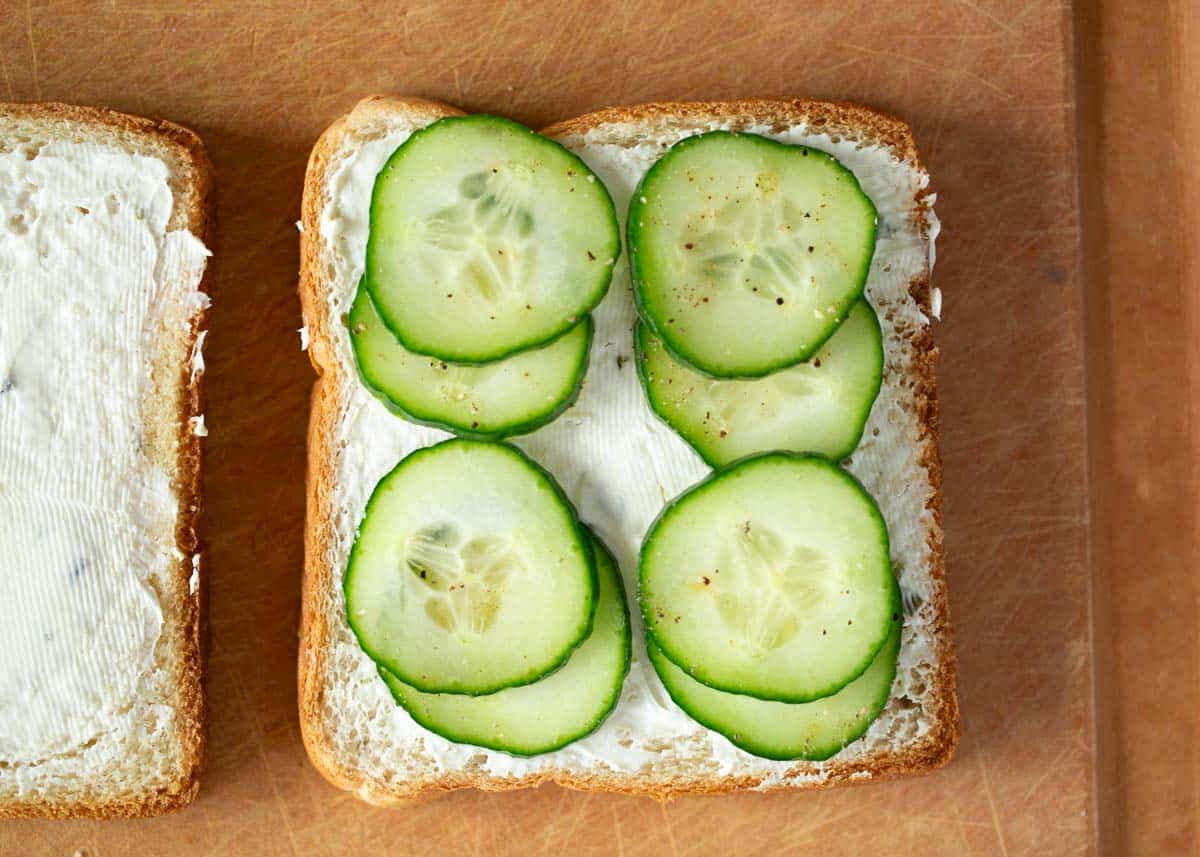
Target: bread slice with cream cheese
{"x":618,"y":464}
{"x":103,"y":278}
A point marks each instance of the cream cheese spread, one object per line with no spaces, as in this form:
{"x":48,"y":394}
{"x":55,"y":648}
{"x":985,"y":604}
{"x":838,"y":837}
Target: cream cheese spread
{"x":620,"y":465}
{"x":87,"y":522}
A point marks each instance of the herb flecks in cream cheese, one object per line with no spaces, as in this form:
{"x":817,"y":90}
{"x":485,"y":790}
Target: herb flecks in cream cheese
{"x":87,"y":271}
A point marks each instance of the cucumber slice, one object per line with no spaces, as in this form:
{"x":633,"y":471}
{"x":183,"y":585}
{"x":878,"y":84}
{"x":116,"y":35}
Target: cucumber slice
{"x":486,"y":239}
{"x":819,"y":406}
{"x":780,"y":730}
{"x":747,"y":253}
{"x":470,"y":573}
{"x":548,"y":714}
{"x":515,"y":395}
{"x":771,"y":578}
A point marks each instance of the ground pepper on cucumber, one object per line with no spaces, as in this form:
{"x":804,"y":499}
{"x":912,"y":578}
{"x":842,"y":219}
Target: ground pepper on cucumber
{"x":494,"y":615}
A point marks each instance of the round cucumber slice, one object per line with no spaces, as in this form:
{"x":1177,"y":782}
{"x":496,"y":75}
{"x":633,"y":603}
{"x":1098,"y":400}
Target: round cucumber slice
{"x":771,"y":578}
{"x":470,"y":573}
{"x":512,"y":396}
{"x":818,"y":406}
{"x":552,"y":712}
{"x":780,"y":730}
{"x":486,"y":239}
{"x":746,"y":253}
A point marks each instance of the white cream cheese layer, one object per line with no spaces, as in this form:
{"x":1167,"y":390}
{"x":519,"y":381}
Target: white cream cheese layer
{"x":87,"y":523}
{"x":619,"y":465}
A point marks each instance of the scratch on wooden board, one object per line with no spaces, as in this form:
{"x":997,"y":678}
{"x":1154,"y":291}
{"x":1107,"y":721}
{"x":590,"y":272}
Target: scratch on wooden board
{"x":37,"y":84}
{"x":564,"y":825}
{"x":953,"y":36}
{"x":1064,"y":7}
{"x":616,"y":827}
{"x":1027,"y":238}
{"x":209,"y":828}
{"x":472,"y":845}
{"x":991,"y":16}
{"x":943,"y":114}
{"x":500,"y":19}
{"x":937,"y":820}
{"x":670,"y":831}
{"x":831,"y":70}
{"x":950,"y":71}
{"x":1048,"y":768}
{"x":987,"y":790}
{"x":315,"y":826}
{"x":698,"y":53}
{"x":280,"y":803}
{"x":498,"y":812}
{"x":7,"y":78}
{"x":573,"y":821}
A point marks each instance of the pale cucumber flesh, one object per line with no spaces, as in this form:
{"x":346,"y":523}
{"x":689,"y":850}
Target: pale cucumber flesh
{"x":515,"y":395}
{"x":486,"y":239}
{"x":470,"y":572}
{"x":779,"y":730}
{"x":818,"y":406}
{"x":563,"y":707}
{"x":747,"y":253}
{"x":772,"y":578}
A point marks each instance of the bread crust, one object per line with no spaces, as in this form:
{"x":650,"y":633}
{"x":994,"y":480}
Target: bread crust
{"x":619,"y":125}
{"x":837,"y":118}
{"x":172,"y":444}
{"x":318,"y":575}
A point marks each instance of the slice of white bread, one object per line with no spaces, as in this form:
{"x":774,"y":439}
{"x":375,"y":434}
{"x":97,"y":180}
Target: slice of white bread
{"x":356,"y":736}
{"x":101,"y":699}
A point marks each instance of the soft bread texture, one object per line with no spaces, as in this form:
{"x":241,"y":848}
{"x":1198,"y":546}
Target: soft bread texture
{"x":919,"y":729}
{"x":161,"y":771}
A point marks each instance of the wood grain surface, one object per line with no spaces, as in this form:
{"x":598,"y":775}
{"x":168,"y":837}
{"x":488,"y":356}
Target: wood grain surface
{"x":1140,"y":68}
{"x":988,"y":88}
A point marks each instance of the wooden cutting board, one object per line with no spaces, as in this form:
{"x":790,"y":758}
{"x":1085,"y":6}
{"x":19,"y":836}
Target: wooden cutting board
{"x":988,"y":86}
